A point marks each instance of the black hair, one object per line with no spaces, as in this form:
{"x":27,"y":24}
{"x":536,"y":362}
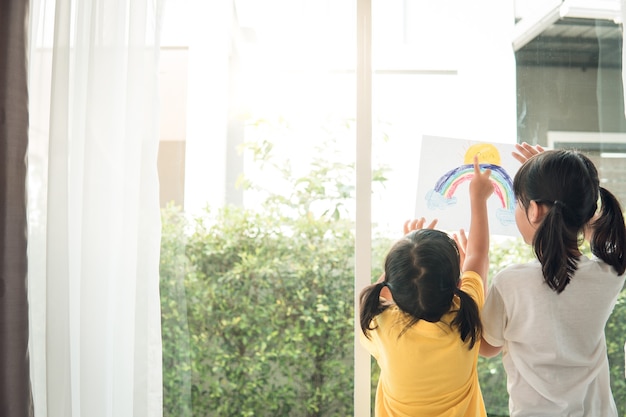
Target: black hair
{"x":422,"y":272}
{"x":567,"y":181}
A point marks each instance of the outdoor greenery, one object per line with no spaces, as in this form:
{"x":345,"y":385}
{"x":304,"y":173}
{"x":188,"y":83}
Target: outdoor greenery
{"x":269,"y":318}
{"x":257,"y":305}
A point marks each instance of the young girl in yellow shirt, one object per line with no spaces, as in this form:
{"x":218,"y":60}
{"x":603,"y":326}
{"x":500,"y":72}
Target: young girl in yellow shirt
{"x":421,"y":319}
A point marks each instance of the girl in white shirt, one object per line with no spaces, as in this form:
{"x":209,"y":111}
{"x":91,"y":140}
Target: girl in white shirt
{"x":548,"y":316}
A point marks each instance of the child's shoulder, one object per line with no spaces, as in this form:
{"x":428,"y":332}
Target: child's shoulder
{"x":391,"y":322}
{"x":514,"y":272}
{"x":391,"y":314}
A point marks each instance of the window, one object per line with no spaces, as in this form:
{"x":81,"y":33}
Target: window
{"x":259,"y":114}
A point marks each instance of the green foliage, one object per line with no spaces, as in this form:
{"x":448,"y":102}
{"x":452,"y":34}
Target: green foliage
{"x":175,"y":336}
{"x":257,"y":305}
{"x":269,"y":307}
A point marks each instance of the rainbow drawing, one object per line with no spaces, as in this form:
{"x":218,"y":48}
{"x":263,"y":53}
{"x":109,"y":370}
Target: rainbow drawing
{"x":442,"y":195}
{"x":502,"y":183}
{"x":449,"y":193}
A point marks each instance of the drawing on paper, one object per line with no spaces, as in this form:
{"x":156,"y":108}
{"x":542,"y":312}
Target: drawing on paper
{"x":488,"y":157}
{"x":440,"y":187}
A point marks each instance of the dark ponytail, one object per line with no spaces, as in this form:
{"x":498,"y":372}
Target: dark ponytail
{"x":566,"y":182}
{"x":370,"y":306}
{"x":556,"y":247}
{"x":467,"y":318}
{"x":609,"y":233}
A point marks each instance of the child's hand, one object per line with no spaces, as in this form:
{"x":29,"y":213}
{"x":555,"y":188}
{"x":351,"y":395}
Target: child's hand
{"x":524,"y":151}
{"x":461,"y":244}
{"x":417,"y":224}
{"x":480,"y":186}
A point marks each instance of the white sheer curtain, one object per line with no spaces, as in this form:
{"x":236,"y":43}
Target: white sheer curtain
{"x":94,"y":221}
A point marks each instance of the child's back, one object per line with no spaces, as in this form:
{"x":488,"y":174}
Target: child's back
{"x":556,"y":360}
{"x":426,"y":369}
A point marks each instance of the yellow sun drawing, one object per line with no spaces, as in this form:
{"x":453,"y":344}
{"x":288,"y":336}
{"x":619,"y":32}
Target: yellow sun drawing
{"x":487,"y":154}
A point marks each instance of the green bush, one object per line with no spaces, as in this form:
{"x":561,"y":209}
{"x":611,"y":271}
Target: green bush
{"x":269,"y":309}
{"x":175,"y":271}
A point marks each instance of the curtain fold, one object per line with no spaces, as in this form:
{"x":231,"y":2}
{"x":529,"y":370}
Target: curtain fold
{"x":15,"y":387}
{"x":94,"y":217}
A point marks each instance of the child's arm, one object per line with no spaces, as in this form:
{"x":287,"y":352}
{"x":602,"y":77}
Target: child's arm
{"x":461,"y":243}
{"x":477,"y":250}
{"x":487,"y":350}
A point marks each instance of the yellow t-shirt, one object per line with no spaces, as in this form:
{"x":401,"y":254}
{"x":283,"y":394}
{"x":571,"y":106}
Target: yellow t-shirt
{"x":428,"y":370}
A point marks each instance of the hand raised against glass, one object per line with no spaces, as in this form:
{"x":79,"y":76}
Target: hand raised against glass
{"x":461,"y":244}
{"x":417,"y":224}
{"x":524,"y":151}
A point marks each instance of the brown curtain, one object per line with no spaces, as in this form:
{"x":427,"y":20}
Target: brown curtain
{"x":15,"y":387}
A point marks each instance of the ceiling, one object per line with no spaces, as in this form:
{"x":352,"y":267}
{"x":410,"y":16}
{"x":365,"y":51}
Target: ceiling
{"x":575,"y":42}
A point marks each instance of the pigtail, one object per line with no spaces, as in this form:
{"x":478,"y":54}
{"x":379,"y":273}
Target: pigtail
{"x":609,"y":233}
{"x":556,"y":247}
{"x":467,"y":318}
{"x":370,"y":306}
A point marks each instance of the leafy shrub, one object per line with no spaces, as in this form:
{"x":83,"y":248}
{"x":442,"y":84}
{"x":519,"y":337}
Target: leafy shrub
{"x":257,"y":305}
{"x":175,"y":332}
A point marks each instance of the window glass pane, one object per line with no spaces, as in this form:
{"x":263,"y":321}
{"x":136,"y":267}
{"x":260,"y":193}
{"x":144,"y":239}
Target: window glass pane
{"x":257,"y":169}
{"x":570,"y":95}
{"x":257,"y":173}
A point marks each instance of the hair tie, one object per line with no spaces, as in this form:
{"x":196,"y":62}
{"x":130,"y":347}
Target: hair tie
{"x":559,"y":204}
{"x":385,"y":284}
